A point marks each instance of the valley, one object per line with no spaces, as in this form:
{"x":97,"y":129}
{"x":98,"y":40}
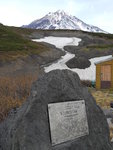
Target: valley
{"x":19,"y":54}
{"x":23,"y":60}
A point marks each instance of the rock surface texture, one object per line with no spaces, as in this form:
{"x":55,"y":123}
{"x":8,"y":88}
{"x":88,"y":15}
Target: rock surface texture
{"x":79,"y":62}
{"x":28,"y":129}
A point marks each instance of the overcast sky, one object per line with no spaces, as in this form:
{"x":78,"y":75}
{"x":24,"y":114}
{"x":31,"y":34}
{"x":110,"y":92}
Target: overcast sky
{"x":21,"y":12}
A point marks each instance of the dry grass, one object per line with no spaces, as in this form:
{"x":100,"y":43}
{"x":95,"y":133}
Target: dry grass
{"x":103,"y":97}
{"x":13,"y":92}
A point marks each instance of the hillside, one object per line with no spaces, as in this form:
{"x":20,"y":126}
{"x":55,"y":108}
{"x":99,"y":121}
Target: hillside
{"x":21,"y":59}
{"x":20,"y":55}
{"x":14,"y":45}
{"x":17,"y":48}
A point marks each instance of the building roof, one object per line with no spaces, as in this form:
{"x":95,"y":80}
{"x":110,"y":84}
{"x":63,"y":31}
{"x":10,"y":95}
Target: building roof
{"x":108,"y":59}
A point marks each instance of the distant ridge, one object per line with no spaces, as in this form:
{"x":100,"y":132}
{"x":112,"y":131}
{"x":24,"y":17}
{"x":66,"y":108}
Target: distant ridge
{"x":61,"y":20}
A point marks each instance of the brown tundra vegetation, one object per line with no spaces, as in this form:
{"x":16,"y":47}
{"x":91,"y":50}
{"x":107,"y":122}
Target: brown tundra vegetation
{"x":13,"y":92}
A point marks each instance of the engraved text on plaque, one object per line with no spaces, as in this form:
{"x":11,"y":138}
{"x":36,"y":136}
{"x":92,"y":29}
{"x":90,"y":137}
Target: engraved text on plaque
{"x":68,"y":121}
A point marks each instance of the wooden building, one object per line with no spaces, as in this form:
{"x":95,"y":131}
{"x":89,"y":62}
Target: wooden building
{"x":104,"y":74}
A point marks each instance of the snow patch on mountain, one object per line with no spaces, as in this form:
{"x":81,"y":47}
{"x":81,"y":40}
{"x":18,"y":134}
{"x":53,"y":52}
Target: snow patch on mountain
{"x":61,"y":20}
{"x":60,"y":42}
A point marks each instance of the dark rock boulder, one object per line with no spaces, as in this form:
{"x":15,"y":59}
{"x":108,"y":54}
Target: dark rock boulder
{"x":112,"y":144}
{"x":78,"y":62}
{"x":108,"y":112}
{"x":29,"y":128}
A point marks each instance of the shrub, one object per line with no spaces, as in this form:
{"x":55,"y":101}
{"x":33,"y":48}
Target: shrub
{"x":13,"y":92}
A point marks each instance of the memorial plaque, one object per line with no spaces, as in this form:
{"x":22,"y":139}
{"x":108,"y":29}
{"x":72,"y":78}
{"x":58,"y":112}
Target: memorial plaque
{"x":68,"y":121}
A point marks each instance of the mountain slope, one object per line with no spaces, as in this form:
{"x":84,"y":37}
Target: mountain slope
{"x":14,"y":45}
{"x":61,"y":20}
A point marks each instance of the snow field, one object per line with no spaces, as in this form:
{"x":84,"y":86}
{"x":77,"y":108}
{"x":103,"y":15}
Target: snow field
{"x":84,"y":74}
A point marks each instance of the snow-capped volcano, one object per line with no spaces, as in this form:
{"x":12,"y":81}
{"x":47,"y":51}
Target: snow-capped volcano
{"x":61,"y":20}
